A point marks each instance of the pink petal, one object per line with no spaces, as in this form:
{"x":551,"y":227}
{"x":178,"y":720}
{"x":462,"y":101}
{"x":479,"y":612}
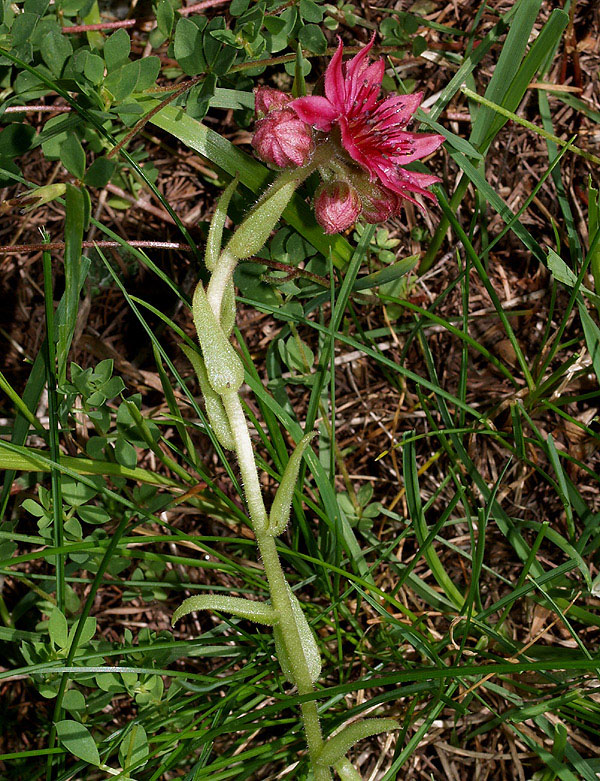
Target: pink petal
{"x":368,"y":87}
{"x":316,"y":111}
{"x":422,"y":144}
{"x":403,"y":182}
{"x":334,"y":80}
{"x":352,"y":148}
{"x":398,"y":109}
{"x":419,"y":179}
{"x":354,"y":70}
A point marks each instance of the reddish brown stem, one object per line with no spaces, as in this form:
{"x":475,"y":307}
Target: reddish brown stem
{"x":141,"y":123}
{"x":191,"y":9}
{"x":292,"y":271}
{"x":45,"y":109}
{"x":9,"y":249}
{"x":88,"y":28}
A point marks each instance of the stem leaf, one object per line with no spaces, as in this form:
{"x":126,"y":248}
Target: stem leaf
{"x":253,"y":233}
{"x":214,"y":406}
{"x":242,"y":608}
{"x":215,"y":232}
{"x":309,"y":644}
{"x":224,"y":368}
{"x":336,"y":747}
{"x":282,"y":503}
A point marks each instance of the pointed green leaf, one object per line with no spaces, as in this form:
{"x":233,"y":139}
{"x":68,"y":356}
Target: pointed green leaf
{"x":387,"y":274}
{"x":215,"y":232}
{"x":133,"y":751}
{"x":58,"y":629}
{"x":26,"y":459}
{"x":545,"y":41}
{"x":223,"y":365}
{"x":336,"y":747}
{"x":417,"y":516}
{"x":592,"y":337}
{"x":346,"y":770}
{"x":76,"y":739}
{"x":214,"y":406}
{"x":243,"y":608}
{"x":507,"y":66}
{"x":307,"y":638}
{"x":254,"y":231}
{"x":282,"y":503}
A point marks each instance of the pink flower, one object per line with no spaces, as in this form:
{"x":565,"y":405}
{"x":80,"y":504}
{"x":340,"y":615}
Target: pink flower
{"x":282,"y":138}
{"x":337,"y":206}
{"x":373,"y":132}
{"x":267,"y":99}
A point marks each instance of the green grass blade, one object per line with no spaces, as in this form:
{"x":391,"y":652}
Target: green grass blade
{"x":506,"y":67}
{"x":415,"y":509}
{"x":51,"y":368}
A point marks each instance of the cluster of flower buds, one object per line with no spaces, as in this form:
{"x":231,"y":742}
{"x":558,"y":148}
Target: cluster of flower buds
{"x":367,"y":142}
{"x":280,"y":137}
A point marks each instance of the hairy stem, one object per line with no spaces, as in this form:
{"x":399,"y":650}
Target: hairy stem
{"x":258,"y":224}
{"x":245,"y":242}
{"x":278,"y":589}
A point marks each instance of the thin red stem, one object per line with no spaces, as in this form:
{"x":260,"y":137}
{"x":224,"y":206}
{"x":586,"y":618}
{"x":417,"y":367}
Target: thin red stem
{"x":293,"y":272}
{"x":88,"y":28}
{"x":45,"y":109}
{"x":59,"y":245}
{"x":200,"y":6}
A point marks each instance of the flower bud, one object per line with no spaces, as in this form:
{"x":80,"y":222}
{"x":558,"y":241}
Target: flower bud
{"x":283,"y":139}
{"x":379,"y":203}
{"x":337,"y":206}
{"x":267,"y":99}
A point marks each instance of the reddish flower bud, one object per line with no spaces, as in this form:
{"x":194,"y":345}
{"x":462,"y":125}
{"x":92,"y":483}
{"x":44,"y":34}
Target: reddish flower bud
{"x":266,"y":99}
{"x":337,"y":206}
{"x":283,"y":139}
{"x":379,"y":203}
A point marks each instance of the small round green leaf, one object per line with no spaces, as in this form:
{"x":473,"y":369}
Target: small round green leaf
{"x":311,"y":37}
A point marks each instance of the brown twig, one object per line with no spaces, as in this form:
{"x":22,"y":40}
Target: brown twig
{"x":36,"y":107}
{"x":292,"y":271}
{"x":88,"y":28}
{"x":10,"y":249}
{"x":142,"y":122}
{"x":330,"y":51}
{"x":200,"y":6}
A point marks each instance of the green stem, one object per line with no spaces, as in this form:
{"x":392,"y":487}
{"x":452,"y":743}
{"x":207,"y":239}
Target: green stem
{"x":254,"y":231}
{"x":57,"y":508}
{"x":247,"y":240}
{"x":219,"y":279}
{"x":245,"y":455}
{"x":280,"y":598}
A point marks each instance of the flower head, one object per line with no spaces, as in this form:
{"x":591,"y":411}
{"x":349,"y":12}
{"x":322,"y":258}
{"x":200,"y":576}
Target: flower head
{"x":281,"y":138}
{"x":337,"y":206}
{"x":371,"y":131}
